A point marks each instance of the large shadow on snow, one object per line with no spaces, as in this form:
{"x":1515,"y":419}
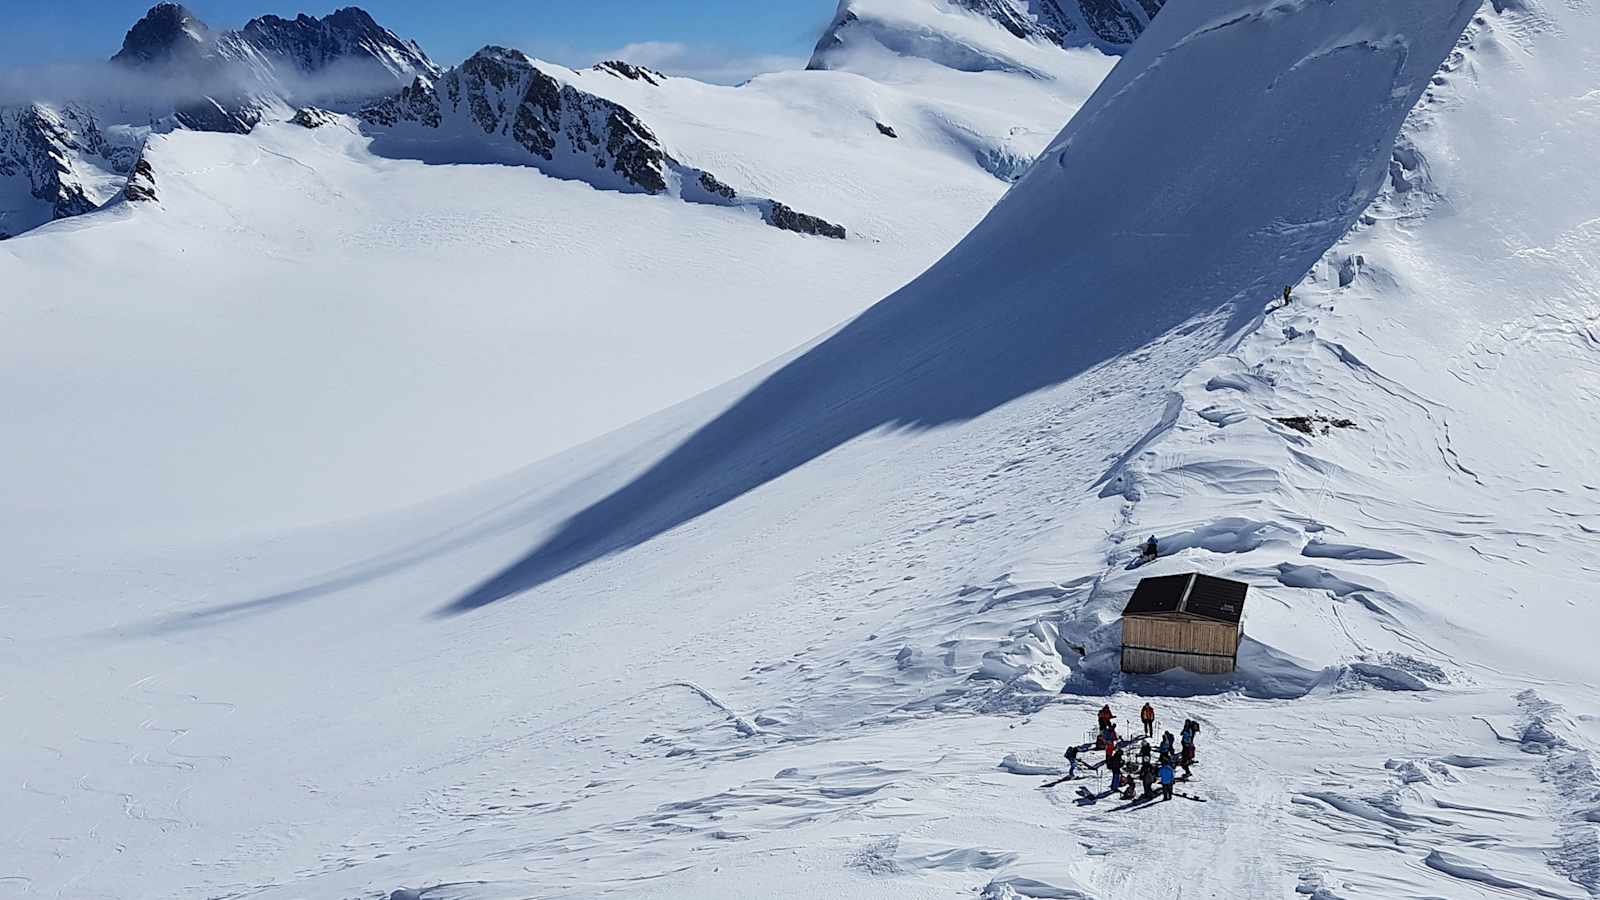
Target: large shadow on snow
{"x":1214,"y":166}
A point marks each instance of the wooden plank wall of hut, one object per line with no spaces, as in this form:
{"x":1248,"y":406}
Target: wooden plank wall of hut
{"x":1181,"y":636}
{"x":1154,"y":662}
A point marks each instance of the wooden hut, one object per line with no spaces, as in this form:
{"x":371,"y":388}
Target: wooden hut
{"x":1190,"y":621}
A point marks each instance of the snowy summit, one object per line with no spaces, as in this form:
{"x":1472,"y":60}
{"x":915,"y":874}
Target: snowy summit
{"x":1099,"y":449}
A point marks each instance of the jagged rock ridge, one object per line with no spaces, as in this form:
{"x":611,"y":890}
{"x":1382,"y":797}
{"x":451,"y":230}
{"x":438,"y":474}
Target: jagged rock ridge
{"x":499,"y":106}
{"x":310,"y":45}
{"x":630,"y":71}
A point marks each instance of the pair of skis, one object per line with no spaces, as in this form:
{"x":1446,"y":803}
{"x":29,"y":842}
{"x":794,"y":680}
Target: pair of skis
{"x":1085,"y":792}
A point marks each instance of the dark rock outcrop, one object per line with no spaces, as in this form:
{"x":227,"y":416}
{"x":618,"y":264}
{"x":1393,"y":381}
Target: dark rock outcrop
{"x":717,"y":188}
{"x":630,"y":71}
{"x":416,"y":102}
{"x":224,"y":116}
{"x":142,"y":184}
{"x":1114,"y":23}
{"x":779,"y":216}
{"x":312,"y":117}
{"x":886,"y":131}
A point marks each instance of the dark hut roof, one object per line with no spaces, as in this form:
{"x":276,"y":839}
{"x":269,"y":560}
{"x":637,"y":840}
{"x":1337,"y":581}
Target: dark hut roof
{"x":1202,"y":596}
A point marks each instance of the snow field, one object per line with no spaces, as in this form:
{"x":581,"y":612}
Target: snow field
{"x":786,"y":671}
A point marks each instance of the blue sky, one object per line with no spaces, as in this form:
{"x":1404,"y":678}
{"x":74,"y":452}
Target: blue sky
{"x":723,"y":40}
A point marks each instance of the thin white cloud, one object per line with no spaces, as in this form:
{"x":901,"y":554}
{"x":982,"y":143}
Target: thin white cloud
{"x":711,"y":64}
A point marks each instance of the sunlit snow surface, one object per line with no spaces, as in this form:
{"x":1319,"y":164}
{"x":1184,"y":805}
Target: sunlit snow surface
{"x":806,"y":656}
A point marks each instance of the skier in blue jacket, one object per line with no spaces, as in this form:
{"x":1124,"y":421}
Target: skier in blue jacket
{"x":1167,"y":778}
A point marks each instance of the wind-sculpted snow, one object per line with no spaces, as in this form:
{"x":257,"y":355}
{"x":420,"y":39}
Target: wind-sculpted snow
{"x":1247,"y":187}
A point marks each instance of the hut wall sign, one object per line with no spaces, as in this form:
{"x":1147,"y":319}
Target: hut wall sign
{"x":1188,"y":621}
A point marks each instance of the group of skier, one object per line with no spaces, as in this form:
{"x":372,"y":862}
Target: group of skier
{"x":1171,"y":755}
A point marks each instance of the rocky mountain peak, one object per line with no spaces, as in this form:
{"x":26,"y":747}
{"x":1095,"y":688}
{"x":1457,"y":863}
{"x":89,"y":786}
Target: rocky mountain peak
{"x":168,"y":32}
{"x":352,"y":17}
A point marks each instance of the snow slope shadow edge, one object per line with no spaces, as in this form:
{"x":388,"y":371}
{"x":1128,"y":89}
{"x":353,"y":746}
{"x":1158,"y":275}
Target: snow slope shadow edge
{"x":1225,"y":155}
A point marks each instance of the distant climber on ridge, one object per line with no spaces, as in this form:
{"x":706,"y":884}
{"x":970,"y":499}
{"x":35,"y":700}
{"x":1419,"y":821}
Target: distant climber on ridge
{"x":1151,"y":551}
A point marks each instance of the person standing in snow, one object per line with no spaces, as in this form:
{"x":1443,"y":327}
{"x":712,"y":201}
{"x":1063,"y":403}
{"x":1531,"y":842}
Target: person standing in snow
{"x":1128,"y":775}
{"x":1147,"y":775}
{"x":1151,"y":550}
{"x":1189,"y":729}
{"x":1144,"y":751}
{"x":1106,"y":715}
{"x":1147,"y":715}
{"x":1288,"y":295}
{"x":1167,"y":778}
{"x":1166,"y":743}
{"x":1072,"y":761}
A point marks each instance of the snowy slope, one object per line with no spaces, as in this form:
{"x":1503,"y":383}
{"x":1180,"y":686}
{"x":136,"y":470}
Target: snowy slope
{"x":807,"y":633}
{"x":967,"y":34}
{"x":513,"y":312}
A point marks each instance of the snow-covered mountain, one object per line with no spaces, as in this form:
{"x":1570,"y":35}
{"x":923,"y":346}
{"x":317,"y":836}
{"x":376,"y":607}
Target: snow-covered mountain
{"x":169,"y":34}
{"x":275,"y":54}
{"x":284,"y":619}
{"x":348,"y":40}
{"x":57,"y":162}
{"x":943,"y":30}
{"x":499,"y":106}
{"x":64,"y":157}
